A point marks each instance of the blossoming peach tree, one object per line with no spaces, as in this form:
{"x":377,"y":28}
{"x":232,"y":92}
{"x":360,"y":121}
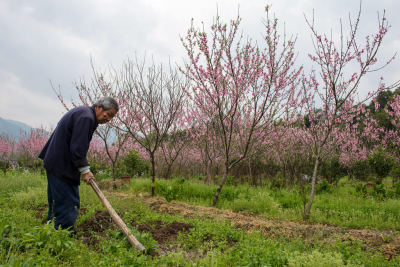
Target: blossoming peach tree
{"x":238,"y":88}
{"x":331,"y":97}
{"x":6,"y":149}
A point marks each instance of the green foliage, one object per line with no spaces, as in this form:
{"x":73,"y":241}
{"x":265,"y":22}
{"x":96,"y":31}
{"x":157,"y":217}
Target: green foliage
{"x":316,"y":258}
{"x":16,"y":181}
{"x":395,"y":173}
{"x":210,"y":234}
{"x":173,"y":190}
{"x":383,"y":119}
{"x":336,"y":203}
{"x":146,"y":240}
{"x":259,"y":203}
{"x":55,"y":242}
{"x":276,"y":182}
{"x":288,"y":199}
{"x":44,"y":241}
{"x":323,"y":187}
{"x":361,"y":188}
{"x":331,"y":170}
{"x":100,"y":170}
{"x":380,"y":115}
{"x":31,"y":199}
{"x":361,"y":170}
{"x":347,"y":207}
{"x":230,"y":180}
{"x":4,"y":166}
{"x":26,"y":242}
{"x":381,"y":164}
{"x":257,"y":251}
{"x":27,"y":162}
{"x":134,"y":165}
{"x":379,"y":191}
{"x":397,"y":189}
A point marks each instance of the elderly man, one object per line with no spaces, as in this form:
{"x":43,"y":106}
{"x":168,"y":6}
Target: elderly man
{"x":64,"y":157}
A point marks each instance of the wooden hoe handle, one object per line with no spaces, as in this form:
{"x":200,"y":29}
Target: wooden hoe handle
{"x":134,"y":242}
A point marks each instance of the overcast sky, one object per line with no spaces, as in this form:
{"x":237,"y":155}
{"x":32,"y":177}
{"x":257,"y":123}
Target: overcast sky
{"x":51,"y":40}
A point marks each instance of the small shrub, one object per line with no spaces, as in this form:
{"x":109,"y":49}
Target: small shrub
{"x":99,"y":169}
{"x":324,"y":187}
{"x":395,"y":173}
{"x":361,"y":188}
{"x":331,"y":170}
{"x":146,"y":240}
{"x":379,"y":191}
{"x":230,"y":180}
{"x":4,"y":166}
{"x":171,"y":191}
{"x":276,"y":182}
{"x":134,"y":165}
{"x":381,"y":164}
{"x":41,"y":240}
{"x":29,"y":162}
{"x":361,"y":170}
{"x":55,"y":242}
{"x":396,"y":188}
{"x":229,"y":193}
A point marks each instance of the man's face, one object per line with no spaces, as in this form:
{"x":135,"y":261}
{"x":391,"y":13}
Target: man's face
{"x":104,"y":116}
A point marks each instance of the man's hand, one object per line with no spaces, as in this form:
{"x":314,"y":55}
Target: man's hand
{"x":87,"y":177}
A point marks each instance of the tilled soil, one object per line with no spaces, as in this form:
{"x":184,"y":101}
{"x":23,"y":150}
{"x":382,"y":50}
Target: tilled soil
{"x":96,"y":225}
{"x":163,"y":232}
{"x":385,"y":241}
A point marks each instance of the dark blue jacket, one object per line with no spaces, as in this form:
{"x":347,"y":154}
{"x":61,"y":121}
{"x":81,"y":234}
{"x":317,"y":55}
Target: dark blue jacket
{"x":66,"y":149}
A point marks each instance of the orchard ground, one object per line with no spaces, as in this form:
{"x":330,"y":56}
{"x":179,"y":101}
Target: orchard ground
{"x":250,"y":226}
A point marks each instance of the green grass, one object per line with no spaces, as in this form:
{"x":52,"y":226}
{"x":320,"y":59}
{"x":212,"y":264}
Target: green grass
{"x":16,"y":181}
{"x":27,"y":241}
{"x":342,"y":207}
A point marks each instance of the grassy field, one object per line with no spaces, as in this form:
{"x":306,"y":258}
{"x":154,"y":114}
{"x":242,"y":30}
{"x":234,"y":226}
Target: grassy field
{"x":343,"y":206}
{"x":174,"y":238}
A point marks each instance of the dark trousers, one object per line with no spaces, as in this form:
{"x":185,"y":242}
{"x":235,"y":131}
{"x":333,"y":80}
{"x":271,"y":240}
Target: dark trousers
{"x":63,"y":201}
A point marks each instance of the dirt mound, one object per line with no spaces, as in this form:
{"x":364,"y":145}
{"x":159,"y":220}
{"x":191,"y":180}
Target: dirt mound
{"x":162,"y":232}
{"x":97,"y":224}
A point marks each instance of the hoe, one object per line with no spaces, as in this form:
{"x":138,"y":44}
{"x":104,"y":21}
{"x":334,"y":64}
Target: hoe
{"x":134,"y":242}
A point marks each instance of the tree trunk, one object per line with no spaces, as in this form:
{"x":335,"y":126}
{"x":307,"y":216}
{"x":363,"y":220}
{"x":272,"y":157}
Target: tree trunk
{"x":253,"y":179}
{"x":207,"y":179}
{"x":314,"y":179}
{"x":168,"y":172}
{"x":224,"y":176}
{"x":113,"y":174}
{"x":153,"y":175}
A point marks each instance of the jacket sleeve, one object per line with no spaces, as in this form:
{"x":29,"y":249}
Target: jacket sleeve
{"x":80,"y":141}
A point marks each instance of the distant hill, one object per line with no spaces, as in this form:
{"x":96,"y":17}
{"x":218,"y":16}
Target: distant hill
{"x":13,"y":129}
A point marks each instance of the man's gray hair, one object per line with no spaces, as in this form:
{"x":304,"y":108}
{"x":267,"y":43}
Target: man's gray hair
{"x":107,"y":103}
